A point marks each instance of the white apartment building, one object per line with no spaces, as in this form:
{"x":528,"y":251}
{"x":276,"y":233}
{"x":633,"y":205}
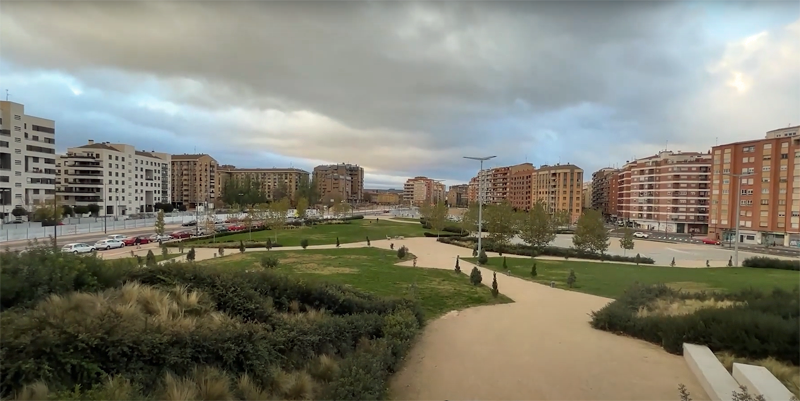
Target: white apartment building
{"x":116,"y":177}
{"x":27,"y":158}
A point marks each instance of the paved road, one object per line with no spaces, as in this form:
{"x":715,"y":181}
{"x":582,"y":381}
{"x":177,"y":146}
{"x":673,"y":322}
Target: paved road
{"x":89,"y":238}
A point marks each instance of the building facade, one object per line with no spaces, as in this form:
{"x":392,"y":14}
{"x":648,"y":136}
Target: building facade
{"x":560,"y":187}
{"x":194,"y":180}
{"x":604,"y":192}
{"x":27,"y":159}
{"x":587,"y":195}
{"x":340,"y":180}
{"x":421,"y":191}
{"x":764,"y":175}
{"x":668,"y":192}
{"x":116,"y":177}
{"x":269,"y":178}
{"x":457,"y":195}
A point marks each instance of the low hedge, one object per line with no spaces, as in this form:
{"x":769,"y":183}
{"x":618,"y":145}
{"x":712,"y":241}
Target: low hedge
{"x":764,"y":262}
{"x":451,"y":229}
{"x":221,"y":244}
{"x":526,"y":250}
{"x":761,"y":325}
{"x":444,"y":234}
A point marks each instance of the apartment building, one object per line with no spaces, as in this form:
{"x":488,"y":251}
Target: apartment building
{"x":669,"y":192}
{"x":560,"y":187}
{"x":27,"y":158}
{"x":194,"y":180}
{"x":604,"y":192}
{"x":269,"y":178}
{"x":764,"y":175}
{"x":587,"y":195}
{"x":421,"y":191}
{"x":341,"y":180}
{"x":383,"y":196}
{"x":457,"y":195}
{"x":116,"y":177}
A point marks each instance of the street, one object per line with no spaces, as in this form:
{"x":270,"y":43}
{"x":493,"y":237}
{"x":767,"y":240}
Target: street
{"x":92,"y":237}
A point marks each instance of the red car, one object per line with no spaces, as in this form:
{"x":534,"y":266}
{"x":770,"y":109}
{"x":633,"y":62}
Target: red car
{"x":140,"y":240}
{"x":710,"y":241}
{"x":236,"y":227}
{"x":180,"y":234}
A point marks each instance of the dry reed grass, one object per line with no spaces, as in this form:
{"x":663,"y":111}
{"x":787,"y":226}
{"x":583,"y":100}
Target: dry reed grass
{"x":788,"y":374}
{"x":679,"y":307}
{"x":324,"y":369}
{"x":33,"y":392}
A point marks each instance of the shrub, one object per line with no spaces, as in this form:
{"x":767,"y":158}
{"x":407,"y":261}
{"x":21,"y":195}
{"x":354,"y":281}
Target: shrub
{"x":304,"y":243}
{"x":572,"y":278}
{"x":241,"y":247}
{"x":526,"y":250}
{"x":268,"y":244}
{"x":190,"y":255}
{"x":533,"y":270}
{"x":672,"y":263}
{"x":756,"y":325}
{"x":368,"y":244}
{"x":150,"y":259}
{"x":495,"y":291}
{"x":164,"y":252}
{"x":444,"y":234}
{"x":401,"y":252}
{"x":763,"y":262}
{"x":505,"y":265}
{"x":268,"y":262}
{"x":482,"y":258}
{"x":337,"y":242}
{"x":458,"y":268}
{"x":221,"y":251}
{"x":475,"y":276}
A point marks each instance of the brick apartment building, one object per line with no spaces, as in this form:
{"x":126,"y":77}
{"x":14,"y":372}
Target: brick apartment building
{"x":669,"y":191}
{"x":604,"y":191}
{"x":457,"y":195}
{"x":269,"y":178}
{"x":194,"y":180}
{"x":421,"y":191}
{"x":768,"y":183}
{"x":345,"y":181}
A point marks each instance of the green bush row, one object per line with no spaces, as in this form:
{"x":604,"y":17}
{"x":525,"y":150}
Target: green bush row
{"x":444,"y":234}
{"x":65,"y":348}
{"x":221,"y":244}
{"x":527,"y":250}
{"x":763,"y":262}
{"x":758,"y":325}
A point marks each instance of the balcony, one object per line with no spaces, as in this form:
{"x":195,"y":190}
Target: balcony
{"x":71,"y":190}
{"x":83,"y":173}
{"x":84,"y":182}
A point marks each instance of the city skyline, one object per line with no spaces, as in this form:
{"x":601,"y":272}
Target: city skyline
{"x":412,"y":87}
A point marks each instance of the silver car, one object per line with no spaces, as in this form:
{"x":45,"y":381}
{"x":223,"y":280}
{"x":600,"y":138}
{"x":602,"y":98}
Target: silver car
{"x":108,"y":244}
{"x":77,"y":248}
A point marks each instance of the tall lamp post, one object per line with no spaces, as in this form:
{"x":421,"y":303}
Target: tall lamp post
{"x":738,"y":178}
{"x":480,"y":197}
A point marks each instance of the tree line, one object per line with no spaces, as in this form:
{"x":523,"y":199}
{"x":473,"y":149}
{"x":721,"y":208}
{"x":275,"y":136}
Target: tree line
{"x":537,"y":227}
{"x":249,"y":191}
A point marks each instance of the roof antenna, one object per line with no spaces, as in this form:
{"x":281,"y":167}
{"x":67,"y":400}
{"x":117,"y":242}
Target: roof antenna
{"x":6,"y":95}
{"x":667,"y":148}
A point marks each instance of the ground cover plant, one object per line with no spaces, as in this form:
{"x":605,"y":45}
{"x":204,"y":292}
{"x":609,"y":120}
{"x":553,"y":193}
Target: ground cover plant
{"x":195,"y":331}
{"x":374,"y":270}
{"x":612,"y":279}
{"x":764,"y":262}
{"x":323,"y":234}
{"x":749,"y":323}
{"x":526,"y":250}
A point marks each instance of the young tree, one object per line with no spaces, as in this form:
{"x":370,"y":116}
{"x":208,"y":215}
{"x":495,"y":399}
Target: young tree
{"x":304,"y":243}
{"x":308,"y":190}
{"x":458,"y":268}
{"x":248,"y":223}
{"x":533,"y":271}
{"x":537,"y":228}
{"x":495,"y":291}
{"x":368,"y":243}
{"x":561,"y":218}
{"x":67,"y":210}
{"x":501,"y":223}
{"x":280,"y":192}
{"x":469,"y":220}
{"x":482,"y":258}
{"x":160,"y":224}
{"x":340,"y":208}
{"x":435,"y":215}
{"x":277,"y":215}
{"x":81,"y":210}
{"x":337,"y":242}
{"x":401,"y":252}
{"x":150,"y":259}
{"x":241,"y":246}
{"x":302,"y":206}
{"x":94,"y":209}
{"x":626,"y":242}
{"x":590,"y":234}
{"x":190,"y":255}
{"x":164,"y":252}
{"x":268,"y":244}
{"x":475,"y":276}
{"x":47,"y":214}
{"x":572,"y":278}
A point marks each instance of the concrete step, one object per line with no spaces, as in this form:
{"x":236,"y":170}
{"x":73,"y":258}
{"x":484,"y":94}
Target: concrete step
{"x":759,"y":380}
{"x":709,"y":371}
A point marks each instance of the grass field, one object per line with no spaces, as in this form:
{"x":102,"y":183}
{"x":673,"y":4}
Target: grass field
{"x":373,"y":270}
{"x":611,"y":280}
{"x":356,"y":231}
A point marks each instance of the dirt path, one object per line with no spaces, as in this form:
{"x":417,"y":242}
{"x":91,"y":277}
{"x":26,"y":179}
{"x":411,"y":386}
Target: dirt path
{"x":540,"y":347}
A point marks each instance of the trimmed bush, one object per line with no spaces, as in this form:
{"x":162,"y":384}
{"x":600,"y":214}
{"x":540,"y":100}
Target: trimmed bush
{"x":495,"y":291}
{"x":269,"y":262}
{"x":533,"y":271}
{"x":401,"y":252}
{"x":190,"y":255}
{"x":482,"y":258}
{"x":304,"y":243}
{"x":444,"y":234}
{"x":475,"y":276}
{"x":241,"y":247}
{"x":525,"y":250}
{"x":764,"y":262}
{"x":150,"y":259}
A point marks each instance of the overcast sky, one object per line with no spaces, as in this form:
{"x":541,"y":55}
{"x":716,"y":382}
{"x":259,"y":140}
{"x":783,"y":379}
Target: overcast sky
{"x":405,"y":88}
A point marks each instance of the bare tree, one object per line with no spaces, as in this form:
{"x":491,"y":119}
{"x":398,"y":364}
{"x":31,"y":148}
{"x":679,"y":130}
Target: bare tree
{"x":435,"y":215}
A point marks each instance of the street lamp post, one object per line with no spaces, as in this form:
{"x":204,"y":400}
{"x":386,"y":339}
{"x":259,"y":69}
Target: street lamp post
{"x":480,"y":197}
{"x":738,"y":178}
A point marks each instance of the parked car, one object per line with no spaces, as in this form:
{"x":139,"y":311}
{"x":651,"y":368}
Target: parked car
{"x":181,"y":234}
{"x":640,"y":234}
{"x":108,"y":244}
{"x":156,"y":238}
{"x":140,"y":240}
{"x":118,"y":237}
{"x":189,"y":223}
{"x":710,"y":241}
{"x":77,"y":248}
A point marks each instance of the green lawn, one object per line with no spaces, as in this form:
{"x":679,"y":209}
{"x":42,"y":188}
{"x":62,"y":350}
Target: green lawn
{"x":611,"y":280}
{"x":356,"y":231}
{"x":373,"y":270}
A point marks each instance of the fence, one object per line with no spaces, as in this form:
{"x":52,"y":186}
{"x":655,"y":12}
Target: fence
{"x":29,"y":233}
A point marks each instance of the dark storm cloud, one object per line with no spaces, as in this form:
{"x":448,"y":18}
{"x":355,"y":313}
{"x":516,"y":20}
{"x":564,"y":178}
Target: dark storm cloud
{"x":402,"y":87}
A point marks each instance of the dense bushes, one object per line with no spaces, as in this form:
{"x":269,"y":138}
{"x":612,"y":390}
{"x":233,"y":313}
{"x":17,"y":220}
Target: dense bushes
{"x":226,"y":245}
{"x":178,"y":317}
{"x":748,"y":324}
{"x":468,"y":242}
{"x":444,"y":234}
{"x":764,"y":262}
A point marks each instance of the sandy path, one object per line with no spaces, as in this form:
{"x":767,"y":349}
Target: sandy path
{"x":540,"y":347}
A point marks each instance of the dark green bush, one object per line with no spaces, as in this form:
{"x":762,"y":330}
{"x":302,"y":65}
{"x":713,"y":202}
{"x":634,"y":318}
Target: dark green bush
{"x":482,"y":258}
{"x":444,"y":234}
{"x":304,"y":243}
{"x":269,"y":262}
{"x":468,"y":242}
{"x":763,"y":325}
{"x":764,"y":262}
{"x":475,"y":276}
